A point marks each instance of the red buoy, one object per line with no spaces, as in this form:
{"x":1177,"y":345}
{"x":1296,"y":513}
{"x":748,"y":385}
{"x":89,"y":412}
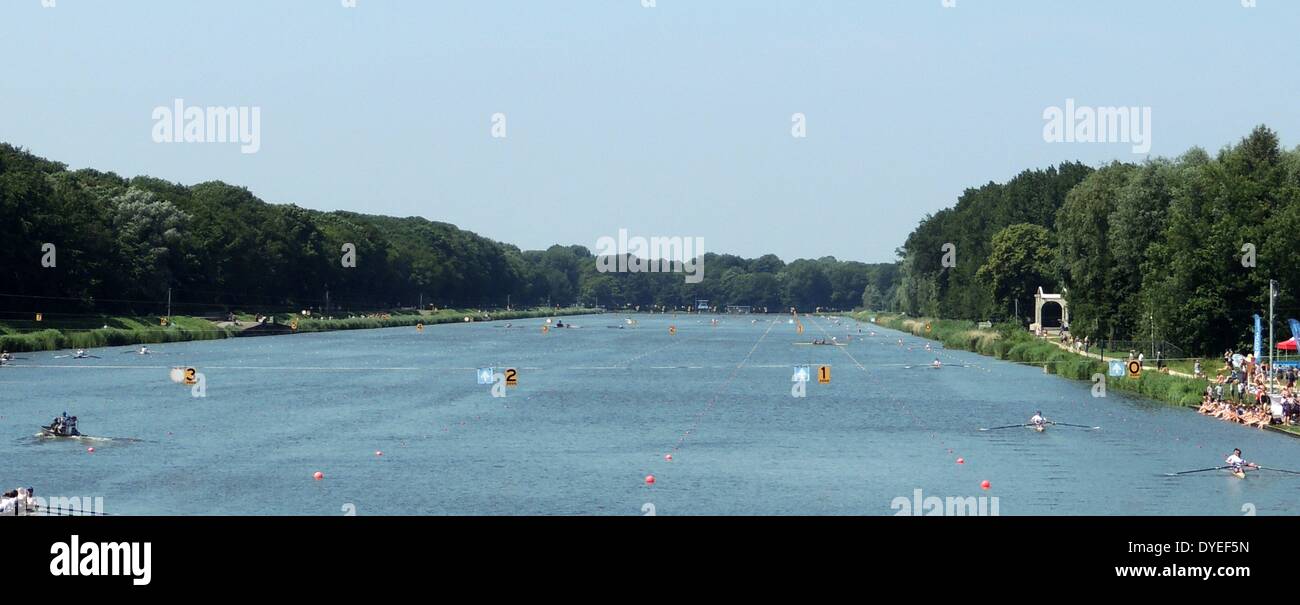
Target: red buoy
{"x":985,"y":484}
{"x":649,"y":479}
{"x":378,"y":453}
{"x":90,"y":450}
{"x":668,"y":457}
{"x":318,"y":476}
{"x":961,"y":461}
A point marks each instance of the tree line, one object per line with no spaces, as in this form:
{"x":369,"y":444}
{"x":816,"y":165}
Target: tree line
{"x":1183,"y":248}
{"x":122,"y":245}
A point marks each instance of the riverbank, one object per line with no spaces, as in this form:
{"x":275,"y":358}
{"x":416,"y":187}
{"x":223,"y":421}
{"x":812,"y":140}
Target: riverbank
{"x":55,"y":333}
{"x":1010,"y":343}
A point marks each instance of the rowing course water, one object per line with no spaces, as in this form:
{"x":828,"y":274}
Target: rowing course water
{"x":596,"y":410}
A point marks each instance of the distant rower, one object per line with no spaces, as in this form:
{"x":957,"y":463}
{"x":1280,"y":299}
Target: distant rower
{"x":1236,"y":463}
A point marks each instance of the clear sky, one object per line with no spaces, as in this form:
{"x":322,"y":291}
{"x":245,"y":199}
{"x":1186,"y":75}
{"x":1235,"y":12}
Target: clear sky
{"x":670,"y":120}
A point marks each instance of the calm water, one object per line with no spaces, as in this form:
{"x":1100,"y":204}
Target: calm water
{"x":596,"y":411}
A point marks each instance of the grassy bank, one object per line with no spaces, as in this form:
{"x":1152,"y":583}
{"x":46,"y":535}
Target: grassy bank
{"x":108,"y":331}
{"x":18,"y":336}
{"x":1010,"y":343}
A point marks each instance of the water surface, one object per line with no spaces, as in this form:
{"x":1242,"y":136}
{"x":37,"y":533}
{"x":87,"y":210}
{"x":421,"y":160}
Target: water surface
{"x":596,"y":410}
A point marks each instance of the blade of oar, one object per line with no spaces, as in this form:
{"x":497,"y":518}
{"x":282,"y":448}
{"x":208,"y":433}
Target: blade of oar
{"x":1199,"y":470}
{"x":1280,"y":470}
{"x":1081,"y":426}
{"x":1009,"y":426}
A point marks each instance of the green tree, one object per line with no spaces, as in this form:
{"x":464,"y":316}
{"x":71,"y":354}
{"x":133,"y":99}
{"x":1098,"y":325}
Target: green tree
{"x":871,"y":298}
{"x":1022,"y":260}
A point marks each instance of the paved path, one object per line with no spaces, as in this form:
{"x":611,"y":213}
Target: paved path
{"x":1108,"y":358}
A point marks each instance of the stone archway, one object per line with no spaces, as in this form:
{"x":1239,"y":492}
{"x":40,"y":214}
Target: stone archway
{"x":1040,"y":299}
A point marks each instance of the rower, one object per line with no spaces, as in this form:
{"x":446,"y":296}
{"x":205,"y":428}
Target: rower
{"x":1037,"y":419}
{"x":937,"y":364}
{"x":1236,"y":462}
{"x":60,"y":425}
{"x":81,"y":354}
{"x":144,"y":350}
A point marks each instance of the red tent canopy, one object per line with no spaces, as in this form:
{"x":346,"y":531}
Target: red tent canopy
{"x":1287,"y":345}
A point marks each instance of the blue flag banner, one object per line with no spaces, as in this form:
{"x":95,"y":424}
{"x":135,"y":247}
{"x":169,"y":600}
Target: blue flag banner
{"x":1259,"y":338}
{"x":1295,"y":330}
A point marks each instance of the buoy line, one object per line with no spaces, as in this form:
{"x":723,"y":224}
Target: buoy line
{"x":681,"y":441}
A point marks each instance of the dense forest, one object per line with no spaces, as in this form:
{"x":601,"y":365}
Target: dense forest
{"x":1184,"y":248}
{"x":120,"y":246}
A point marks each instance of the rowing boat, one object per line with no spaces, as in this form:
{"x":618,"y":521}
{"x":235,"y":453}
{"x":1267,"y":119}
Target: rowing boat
{"x":50,"y":433}
{"x":1040,"y":427}
{"x":1240,"y":474}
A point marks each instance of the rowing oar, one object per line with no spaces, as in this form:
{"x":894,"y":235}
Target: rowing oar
{"x":1080,"y":426}
{"x":1009,"y":426}
{"x":1280,"y":470}
{"x":1199,"y":470}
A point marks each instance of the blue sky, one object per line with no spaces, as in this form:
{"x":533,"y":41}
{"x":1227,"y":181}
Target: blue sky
{"x":671,"y":120}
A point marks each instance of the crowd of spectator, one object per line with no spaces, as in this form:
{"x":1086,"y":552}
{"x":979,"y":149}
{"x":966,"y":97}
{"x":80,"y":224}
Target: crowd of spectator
{"x":1241,"y":393}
